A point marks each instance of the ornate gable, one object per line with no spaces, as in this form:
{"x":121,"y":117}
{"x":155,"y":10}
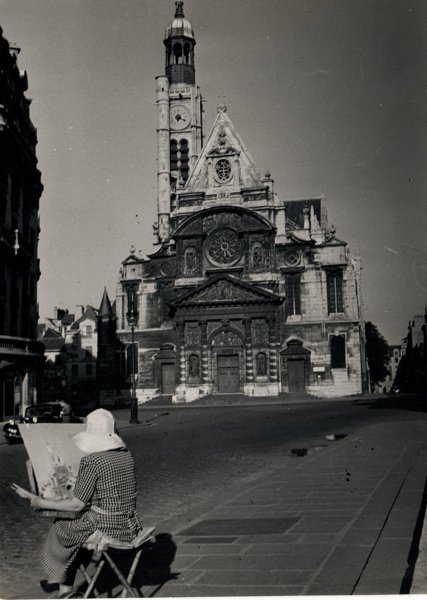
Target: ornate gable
{"x":224,"y":162}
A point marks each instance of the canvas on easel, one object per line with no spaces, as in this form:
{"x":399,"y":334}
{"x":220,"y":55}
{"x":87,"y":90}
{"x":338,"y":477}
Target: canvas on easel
{"x":53,"y":456}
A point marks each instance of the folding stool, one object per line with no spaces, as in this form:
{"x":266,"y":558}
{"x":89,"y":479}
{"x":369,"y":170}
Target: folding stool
{"x":101,"y":544}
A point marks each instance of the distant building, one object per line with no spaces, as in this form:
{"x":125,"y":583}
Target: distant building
{"x":417,"y":331}
{"x":21,"y":355}
{"x":71,"y":347}
{"x":395,"y":352}
{"x":411,"y":375}
{"x":244,"y":292}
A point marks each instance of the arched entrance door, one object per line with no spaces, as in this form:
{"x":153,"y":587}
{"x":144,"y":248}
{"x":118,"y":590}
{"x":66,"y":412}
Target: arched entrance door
{"x":227,"y":355}
{"x":228,"y":373}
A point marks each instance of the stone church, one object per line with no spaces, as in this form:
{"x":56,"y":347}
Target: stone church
{"x":244,"y":292}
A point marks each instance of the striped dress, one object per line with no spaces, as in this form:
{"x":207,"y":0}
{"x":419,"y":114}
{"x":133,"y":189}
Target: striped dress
{"x":106,"y":481}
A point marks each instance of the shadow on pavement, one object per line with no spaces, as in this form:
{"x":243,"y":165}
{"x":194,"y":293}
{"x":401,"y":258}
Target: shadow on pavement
{"x":154,"y":566}
{"x":417,"y":403}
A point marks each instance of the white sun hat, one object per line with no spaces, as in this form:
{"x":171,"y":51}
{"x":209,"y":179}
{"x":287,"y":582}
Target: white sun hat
{"x":100,"y":433}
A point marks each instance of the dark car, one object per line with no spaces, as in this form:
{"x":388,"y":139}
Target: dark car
{"x":50,"y":412}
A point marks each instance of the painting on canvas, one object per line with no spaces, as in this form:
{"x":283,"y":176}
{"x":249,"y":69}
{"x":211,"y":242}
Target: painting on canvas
{"x":54,"y":457}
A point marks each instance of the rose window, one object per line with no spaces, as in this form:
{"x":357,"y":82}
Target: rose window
{"x":224,"y":246}
{"x":223,"y":170}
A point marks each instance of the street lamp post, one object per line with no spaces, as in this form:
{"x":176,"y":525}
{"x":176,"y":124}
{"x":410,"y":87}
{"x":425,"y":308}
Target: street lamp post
{"x":132,"y":319}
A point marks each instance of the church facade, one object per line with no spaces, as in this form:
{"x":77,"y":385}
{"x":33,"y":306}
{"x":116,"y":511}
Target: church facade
{"x":244,"y":292}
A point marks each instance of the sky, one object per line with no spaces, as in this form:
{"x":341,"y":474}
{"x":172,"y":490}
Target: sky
{"x":329,"y":96}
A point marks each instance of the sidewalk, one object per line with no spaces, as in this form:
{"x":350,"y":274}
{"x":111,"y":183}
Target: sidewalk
{"x":339,"y":520}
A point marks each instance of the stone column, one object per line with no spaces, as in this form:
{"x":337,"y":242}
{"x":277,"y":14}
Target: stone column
{"x":249,"y":354}
{"x":204,"y":347}
{"x":181,"y":353}
{"x":272,"y":358}
{"x":163,"y":158}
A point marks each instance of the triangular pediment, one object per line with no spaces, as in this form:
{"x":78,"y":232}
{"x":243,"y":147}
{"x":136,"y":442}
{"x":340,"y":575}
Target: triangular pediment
{"x":224,"y":142}
{"x":132,"y":260}
{"x":225,"y":289}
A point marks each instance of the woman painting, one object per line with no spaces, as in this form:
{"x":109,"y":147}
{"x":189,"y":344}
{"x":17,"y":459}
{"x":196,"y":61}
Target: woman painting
{"x":104,"y":496}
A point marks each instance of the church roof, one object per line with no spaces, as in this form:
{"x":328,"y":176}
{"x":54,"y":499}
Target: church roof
{"x":179,"y":26}
{"x":89,"y":313}
{"x":105,"y":310}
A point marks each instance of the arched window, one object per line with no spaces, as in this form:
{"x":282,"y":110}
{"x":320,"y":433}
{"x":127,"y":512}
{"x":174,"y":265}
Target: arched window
{"x":187,"y":54}
{"x":174,"y":155}
{"x":177,"y":51}
{"x":184,"y":156}
{"x":293,"y":294}
{"x":261,"y":364}
{"x":334,"y":287}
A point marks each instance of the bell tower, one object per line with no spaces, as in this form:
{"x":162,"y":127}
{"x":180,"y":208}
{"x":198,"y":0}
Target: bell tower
{"x":179,"y":42}
{"x":179,"y":117}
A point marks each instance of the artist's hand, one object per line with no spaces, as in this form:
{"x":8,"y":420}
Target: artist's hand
{"x":25,"y":494}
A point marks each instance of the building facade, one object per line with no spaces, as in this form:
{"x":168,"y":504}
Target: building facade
{"x":244,"y":292}
{"x":21,"y":355}
{"x":71,"y":347}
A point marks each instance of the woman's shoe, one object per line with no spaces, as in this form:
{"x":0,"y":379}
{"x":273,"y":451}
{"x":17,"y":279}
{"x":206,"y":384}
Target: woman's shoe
{"x":48,"y":586}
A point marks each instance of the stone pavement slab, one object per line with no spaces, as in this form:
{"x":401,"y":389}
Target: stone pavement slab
{"x":352,"y":509}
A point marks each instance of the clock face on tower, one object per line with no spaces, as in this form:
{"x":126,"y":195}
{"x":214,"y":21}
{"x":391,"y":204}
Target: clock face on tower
{"x":179,"y":117}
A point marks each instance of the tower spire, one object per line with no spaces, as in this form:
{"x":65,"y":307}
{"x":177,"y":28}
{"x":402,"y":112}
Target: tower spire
{"x":179,"y":42}
{"x":179,"y":10}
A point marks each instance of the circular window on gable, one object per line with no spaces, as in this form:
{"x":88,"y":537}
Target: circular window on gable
{"x":223,"y":170}
{"x":292,"y":258}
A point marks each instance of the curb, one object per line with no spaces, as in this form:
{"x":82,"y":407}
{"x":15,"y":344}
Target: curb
{"x":419,"y":578}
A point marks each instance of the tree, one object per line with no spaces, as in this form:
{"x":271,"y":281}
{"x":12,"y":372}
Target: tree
{"x":376,"y":354}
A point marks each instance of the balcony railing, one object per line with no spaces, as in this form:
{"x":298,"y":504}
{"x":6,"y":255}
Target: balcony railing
{"x":20,"y":346}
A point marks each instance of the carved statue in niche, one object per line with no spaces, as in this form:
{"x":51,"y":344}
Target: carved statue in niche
{"x":261,"y":364}
{"x":190,"y":260}
{"x":258,"y":255}
{"x":193,"y":365}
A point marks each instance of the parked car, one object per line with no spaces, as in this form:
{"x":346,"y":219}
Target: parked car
{"x":49,"y":412}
